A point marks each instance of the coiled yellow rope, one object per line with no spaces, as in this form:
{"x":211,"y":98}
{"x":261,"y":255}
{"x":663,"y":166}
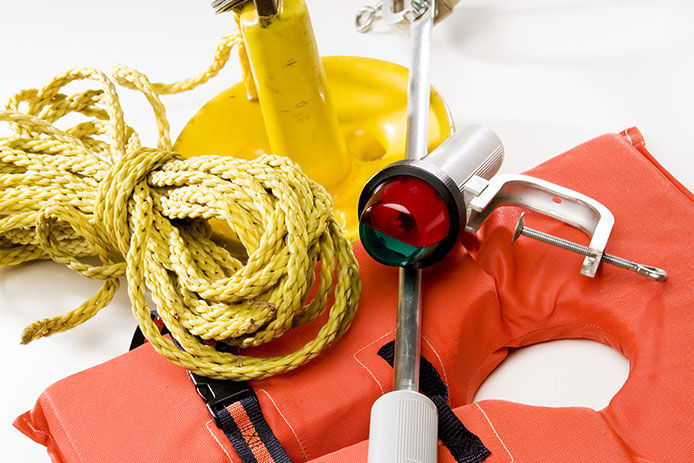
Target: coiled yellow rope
{"x":92,"y":190}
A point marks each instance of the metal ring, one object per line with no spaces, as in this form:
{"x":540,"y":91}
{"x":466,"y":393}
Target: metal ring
{"x":654,"y":273}
{"x":366,"y":16}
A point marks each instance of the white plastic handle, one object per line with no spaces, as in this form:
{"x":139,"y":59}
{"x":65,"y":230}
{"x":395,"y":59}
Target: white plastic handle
{"x":404,"y":429}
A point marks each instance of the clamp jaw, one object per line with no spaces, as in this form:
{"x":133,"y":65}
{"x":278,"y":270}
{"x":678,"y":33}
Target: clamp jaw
{"x":578,"y":210}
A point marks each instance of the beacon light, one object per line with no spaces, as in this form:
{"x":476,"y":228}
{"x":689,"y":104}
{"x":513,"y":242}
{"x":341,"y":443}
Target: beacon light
{"x":411,"y":212}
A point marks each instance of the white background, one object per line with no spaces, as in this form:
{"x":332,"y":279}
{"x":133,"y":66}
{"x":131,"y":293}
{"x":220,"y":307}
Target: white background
{"x":544,"y":74}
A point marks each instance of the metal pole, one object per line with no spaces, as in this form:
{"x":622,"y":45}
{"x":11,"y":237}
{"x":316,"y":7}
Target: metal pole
{"x":404,"y":423}
{"x":419,"y":87}
{"x":408,"y":330}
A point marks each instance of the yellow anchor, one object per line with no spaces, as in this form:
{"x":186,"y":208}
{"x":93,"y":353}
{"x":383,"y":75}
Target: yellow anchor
{"x":342,"y":119}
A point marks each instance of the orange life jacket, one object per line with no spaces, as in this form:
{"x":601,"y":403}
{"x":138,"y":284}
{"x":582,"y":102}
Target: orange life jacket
{"x":480,"y":302}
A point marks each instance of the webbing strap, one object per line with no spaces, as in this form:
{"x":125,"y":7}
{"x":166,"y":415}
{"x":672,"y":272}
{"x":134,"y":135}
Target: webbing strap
{"x":464,"y":446}
{"x":245,"y":427}
{"x":236,"y":410}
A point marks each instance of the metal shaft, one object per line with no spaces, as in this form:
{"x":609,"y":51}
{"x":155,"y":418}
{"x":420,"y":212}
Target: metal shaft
{"x":419,"y":87}
{"x":653,"y":273}
{"x":408,"y":331}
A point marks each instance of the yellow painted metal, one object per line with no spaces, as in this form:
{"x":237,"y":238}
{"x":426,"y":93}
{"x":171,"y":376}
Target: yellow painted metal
{"x":342,"y":121}
{"x":299,"y":116}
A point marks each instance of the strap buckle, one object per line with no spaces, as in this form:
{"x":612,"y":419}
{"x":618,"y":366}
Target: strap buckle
{"x":219,"y":394}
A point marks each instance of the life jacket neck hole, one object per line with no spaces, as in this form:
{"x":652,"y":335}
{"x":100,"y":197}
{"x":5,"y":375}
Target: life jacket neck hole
{"x":562,"y":373}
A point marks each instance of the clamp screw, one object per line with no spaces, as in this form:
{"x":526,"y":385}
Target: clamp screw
{"x":653,"y":273}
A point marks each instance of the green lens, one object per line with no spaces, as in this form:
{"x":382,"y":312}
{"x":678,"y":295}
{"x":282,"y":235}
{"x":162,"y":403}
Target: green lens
{"x":388,"y":250}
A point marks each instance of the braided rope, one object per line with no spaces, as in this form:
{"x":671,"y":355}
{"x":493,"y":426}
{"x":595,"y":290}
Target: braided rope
{"x":92,"y":191}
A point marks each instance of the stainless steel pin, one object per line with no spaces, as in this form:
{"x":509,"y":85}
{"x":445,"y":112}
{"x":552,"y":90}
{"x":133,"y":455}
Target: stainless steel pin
{"x":653,"y":273}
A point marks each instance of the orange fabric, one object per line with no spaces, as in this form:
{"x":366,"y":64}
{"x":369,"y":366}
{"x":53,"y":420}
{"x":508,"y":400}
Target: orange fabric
{"x":479,"y":303}
{"x":249,"y":433}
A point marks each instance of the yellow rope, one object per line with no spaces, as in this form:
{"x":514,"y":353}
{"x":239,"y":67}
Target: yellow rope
{"x":91,"y":190}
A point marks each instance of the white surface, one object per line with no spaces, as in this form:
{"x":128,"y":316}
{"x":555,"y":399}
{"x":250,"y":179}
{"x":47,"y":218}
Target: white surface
{"x":546,"y":75}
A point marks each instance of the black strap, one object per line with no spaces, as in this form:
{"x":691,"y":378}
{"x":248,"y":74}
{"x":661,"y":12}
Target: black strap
{"x":138,"y":339}
{"x":236,"y":411}
{"x":463,"y":445}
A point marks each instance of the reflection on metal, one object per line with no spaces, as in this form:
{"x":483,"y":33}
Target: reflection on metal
{"x":408,"y":331}
{"x":401,"y":13}
{"x":571,"y":207}
{"x":653,"y":273}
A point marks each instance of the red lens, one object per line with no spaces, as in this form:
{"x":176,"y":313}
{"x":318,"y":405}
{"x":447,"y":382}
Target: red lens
{"x":409,"y":211}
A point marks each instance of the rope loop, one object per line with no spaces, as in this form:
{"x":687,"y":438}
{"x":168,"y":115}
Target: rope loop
{"x":118,"y":187}
{"x":90,"y":190}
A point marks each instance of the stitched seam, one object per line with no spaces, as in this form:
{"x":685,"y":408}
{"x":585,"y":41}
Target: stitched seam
{"x":501,"y":313}
{"x":207,"y":425}
{"x":627,"y":353}
{"x":443,"y":368}
{"x":62,"y":425}
{"x":303,"y":450}
{"x":367,"y":368}
{"x":495,"y":433}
